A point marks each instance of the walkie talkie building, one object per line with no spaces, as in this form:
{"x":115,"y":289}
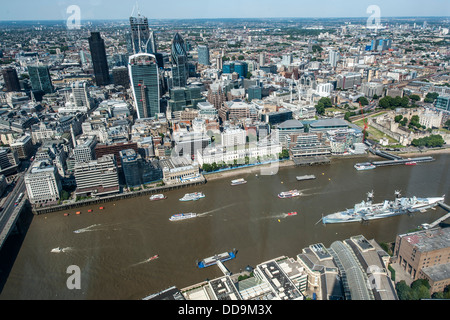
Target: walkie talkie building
{"x":144,"y":77}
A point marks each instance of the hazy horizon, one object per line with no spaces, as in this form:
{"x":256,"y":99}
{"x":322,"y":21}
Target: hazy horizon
{"x":90,"y":10}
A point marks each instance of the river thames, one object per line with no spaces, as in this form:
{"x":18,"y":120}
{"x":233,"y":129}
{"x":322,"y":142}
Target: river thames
{"x":112,"y":246}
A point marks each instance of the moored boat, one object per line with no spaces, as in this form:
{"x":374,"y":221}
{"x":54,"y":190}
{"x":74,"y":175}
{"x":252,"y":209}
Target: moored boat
{"x":366,"y":210}
{"x":218,"y":257}
{"x":364,"y":166}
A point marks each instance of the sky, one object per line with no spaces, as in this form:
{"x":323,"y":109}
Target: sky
{"x":185,"y":9}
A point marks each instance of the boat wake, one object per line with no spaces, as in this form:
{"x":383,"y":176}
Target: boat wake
{"x":87,"y":229}
{"x":60,"y":250}
{"x":144,"y":261}
{"x":221,"y":208}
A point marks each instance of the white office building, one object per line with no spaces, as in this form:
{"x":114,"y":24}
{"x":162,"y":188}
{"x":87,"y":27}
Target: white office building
{"x":324,"y":89}
{"x":43,"y":184}
{"x":97,"y":177}
{"x":84,"y":152}
{"x":232,"y":137}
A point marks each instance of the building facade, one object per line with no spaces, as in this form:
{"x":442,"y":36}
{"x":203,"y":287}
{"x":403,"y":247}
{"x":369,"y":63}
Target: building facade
{"x":97,"y":177}
{"x":144,"y":76}
{"x":40,"y":78}
{"x":203,"y":55}
{"x":425,"y":254}
{"x":43,"y":184}
{"x":11,"y":79}
{"x":99,"y":60}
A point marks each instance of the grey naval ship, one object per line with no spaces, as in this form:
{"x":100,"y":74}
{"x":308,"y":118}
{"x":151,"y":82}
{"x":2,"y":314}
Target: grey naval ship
{"x":366,"y":210}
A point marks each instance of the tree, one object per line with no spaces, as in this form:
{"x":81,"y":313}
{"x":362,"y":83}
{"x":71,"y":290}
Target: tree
{"x":347,"y":116}
{"x":447,"y":124}
{"x":430,"y":97}
{"x":322,"y":104}
{"x":414,"y":97}
{"x":432,"y":141}
{"x":414,"y":122}
{"x":317,"y":48}
{"x":403,"y":291}
{"x":398,"y":118}
{"x":363,"y":101}
{"x":385,"y":102}
{"x":403,"y":122}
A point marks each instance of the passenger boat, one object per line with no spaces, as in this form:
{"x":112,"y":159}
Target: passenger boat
{"x":306,"y":177}
{"x":192,"y":196}
{"x":289,"y":194}
{"x":156,"y":197}
{"x":364,"y":166}
{"x":292,"y":214}
{"x":238,"y":182}
{"x":182,"y":216}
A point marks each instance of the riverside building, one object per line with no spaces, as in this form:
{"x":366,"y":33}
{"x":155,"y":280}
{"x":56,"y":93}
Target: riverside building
{"x":43,"y":183}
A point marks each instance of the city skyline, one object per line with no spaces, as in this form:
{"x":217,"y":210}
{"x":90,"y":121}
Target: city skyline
{"x":203,"y":9}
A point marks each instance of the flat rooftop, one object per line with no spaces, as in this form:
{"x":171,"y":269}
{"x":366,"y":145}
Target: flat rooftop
{"x":429,"y":240}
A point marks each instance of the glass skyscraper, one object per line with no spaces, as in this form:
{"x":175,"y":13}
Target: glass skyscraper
{"x":179,"y":62}
{"x":144,"y":76}
{"x":203,"y":55}
{"x":140,"y":39}
{"x":99,"y":61}
{"x":40,"y":78}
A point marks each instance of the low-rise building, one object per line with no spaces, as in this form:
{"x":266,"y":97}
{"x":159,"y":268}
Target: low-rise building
{"x":425,"y":254}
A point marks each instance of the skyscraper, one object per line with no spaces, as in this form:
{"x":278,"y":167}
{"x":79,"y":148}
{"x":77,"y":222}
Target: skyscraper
{"x":40,"y":78}
{"x":179,"y":62}
{"x":11,"y":80}
{"x":203,"y":55}
{"x":140,"y":39}
{"x":99,"y":61}
{"x":144,"y":76}
{"x":333,"y":58}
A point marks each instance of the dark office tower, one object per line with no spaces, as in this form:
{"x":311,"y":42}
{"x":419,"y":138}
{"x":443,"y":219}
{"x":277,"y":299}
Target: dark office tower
{"x":99,"y":61}
{"x":11,"y":80}
{"x":121,"y":77}
{"x":40,"y":78}
{"x":144,"y":76}
{"x":179,"y":62}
